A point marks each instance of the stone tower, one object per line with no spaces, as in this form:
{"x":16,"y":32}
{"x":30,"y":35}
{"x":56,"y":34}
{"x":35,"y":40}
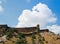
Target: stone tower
{"x":38,"y":27}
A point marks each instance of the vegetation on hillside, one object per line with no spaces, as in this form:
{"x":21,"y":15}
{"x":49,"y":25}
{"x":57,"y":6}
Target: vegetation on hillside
{"x":35,"y":38}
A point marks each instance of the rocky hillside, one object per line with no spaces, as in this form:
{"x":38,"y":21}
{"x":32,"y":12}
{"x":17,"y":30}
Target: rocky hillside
{"x":34,"y":38}
{"x":29,"y":35}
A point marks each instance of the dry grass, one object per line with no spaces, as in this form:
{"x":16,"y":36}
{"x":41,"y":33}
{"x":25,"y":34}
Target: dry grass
{"x":50,"y":38}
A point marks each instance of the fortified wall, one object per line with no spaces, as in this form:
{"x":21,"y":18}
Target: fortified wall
{"x":25,"y":30}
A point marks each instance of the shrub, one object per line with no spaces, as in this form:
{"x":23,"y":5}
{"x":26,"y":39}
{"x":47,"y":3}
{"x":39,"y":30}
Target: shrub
{"x":46,"y":41}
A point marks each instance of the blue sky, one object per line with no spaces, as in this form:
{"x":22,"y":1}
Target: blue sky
{"x":12,"y":9}
{"x":24,"y":13}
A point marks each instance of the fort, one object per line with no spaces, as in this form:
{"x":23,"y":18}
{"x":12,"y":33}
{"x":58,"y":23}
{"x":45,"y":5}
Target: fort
{"x":27,"y":35}
{"x":25,"y":30}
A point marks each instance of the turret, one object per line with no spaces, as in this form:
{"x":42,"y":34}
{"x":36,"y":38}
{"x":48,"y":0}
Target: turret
{"x":38,"y":27}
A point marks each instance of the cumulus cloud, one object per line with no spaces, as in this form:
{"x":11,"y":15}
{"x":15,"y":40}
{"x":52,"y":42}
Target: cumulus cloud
{"x":40,"y":14}
{"x":1,"y":9}
{"x":54,"y":28}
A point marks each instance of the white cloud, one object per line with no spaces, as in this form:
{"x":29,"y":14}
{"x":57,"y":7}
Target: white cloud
{"x":40,"y":14}
{"x":54,"y":28}
{"x":1,"y":9}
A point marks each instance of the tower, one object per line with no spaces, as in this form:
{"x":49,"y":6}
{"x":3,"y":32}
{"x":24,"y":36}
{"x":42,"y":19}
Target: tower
{"x":38,"y":27}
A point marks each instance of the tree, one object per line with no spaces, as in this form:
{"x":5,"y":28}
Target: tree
{"x":9,"y":33}
{"x":33,"y":38}
{"x":40,"y":39}
{"x":22,"y":39}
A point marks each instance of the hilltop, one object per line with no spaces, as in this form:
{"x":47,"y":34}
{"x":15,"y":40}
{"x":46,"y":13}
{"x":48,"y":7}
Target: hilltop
{"x":27,"y":35}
